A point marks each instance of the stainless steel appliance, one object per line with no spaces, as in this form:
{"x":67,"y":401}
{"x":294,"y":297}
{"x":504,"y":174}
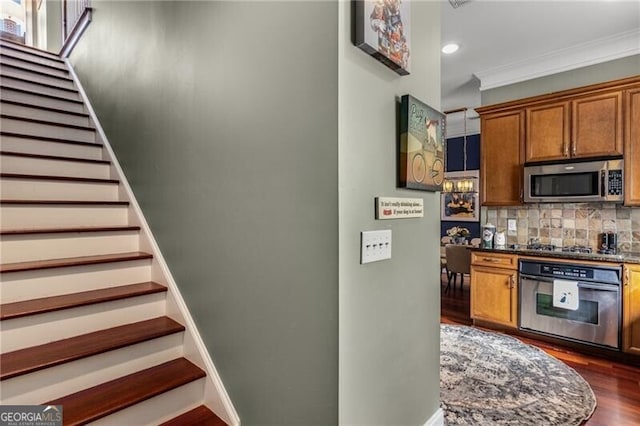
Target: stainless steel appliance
{"x":597,"y":319}
{"x":574,"y":182}
{"x":608,"y":243}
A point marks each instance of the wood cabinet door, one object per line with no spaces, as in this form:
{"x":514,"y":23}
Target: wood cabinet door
{"x":632,"y":148}
{"x":501,"y":158}
{"x":494,"y":295}
{"x":547,"y":132}
{"x":596,"y":123}
{"x":631,"y":309}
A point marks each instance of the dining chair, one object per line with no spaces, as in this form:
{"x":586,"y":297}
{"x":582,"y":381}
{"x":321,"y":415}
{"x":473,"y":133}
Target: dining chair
{"x":458,"y":262}
{"x":445,"y":240}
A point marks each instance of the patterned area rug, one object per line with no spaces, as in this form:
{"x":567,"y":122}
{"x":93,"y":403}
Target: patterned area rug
{"x":493,"y":379}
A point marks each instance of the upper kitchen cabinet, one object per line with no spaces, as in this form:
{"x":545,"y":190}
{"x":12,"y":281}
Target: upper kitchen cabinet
{"x":584,"y":127}
{"x":548,"y":133}
{"x":501,"y":158}
{"x":632,"y":147}
{"x":596,"y":125}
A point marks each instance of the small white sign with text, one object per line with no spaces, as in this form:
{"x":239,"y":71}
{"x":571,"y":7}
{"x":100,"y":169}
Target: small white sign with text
{"x":399,"y":208}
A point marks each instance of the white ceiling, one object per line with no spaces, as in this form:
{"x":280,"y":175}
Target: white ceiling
{"x":503,"y":42}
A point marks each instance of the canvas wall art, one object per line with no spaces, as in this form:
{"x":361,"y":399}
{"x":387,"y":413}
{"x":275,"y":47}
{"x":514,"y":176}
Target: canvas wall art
{"x":422,"y":146}
{"x":381,"y":28}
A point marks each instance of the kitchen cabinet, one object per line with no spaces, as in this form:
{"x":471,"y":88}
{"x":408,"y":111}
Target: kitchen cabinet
{"x":631,"y":309}
{"x":596,"y":121}
{"x":501,"y":167}
{"x":580,"y":127}
{"x":548,"y":133}
{"x":632,"y":147}
{"x":494,"y":288}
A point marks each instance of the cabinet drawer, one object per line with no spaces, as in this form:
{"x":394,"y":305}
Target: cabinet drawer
{"x":497,"y":260}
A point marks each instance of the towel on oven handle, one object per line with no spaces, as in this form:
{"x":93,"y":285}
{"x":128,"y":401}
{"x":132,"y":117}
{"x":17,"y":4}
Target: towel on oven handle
{"x":566,"y":294}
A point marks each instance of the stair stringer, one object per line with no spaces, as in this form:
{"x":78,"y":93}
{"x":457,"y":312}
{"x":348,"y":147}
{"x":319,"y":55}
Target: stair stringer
{"x":215,"y":394}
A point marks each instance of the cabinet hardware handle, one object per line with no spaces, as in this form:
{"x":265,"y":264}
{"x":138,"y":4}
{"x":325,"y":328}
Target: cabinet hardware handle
{"x":626,"y":277}
{"x":488,"y":259}
{"x":573,"y":147}
{"x":511,"y":284}
{"x":566,"y":149}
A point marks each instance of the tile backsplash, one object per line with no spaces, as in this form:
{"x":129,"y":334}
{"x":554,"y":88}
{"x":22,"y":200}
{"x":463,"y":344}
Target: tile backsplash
{"x":568,"y":224}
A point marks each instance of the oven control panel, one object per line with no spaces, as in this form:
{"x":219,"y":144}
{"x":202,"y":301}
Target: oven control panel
{"x":567,"y":271}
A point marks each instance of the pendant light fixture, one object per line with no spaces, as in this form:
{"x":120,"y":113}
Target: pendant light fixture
{"x":464,"y":183}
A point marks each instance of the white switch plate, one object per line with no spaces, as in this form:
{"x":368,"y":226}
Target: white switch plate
{"x":512,"y":227}
{"x":375,"y":245}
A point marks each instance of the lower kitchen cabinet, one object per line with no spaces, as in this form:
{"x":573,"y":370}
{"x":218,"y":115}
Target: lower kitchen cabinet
{"x":631,"y":309}
{"x":494,"y":292}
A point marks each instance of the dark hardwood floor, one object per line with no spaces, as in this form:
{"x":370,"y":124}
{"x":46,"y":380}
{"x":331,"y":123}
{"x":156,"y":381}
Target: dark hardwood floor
{"x":616,"y":385}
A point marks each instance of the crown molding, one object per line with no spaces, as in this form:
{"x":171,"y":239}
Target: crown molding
{"x":594,"y":52}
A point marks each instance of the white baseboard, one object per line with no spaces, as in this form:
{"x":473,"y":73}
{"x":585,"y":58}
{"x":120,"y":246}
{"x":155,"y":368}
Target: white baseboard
{"x":437,"y":419}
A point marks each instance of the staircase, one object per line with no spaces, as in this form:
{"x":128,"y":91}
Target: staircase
{"x":90,"y":317}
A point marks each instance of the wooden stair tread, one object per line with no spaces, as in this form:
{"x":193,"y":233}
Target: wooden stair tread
{"x":28,"y":360}
{"x":199,"y":416}
{"x":54,"y":157}
{"x":93,"y":229}
{"x":44,"y":95}
{"x":39,"y":83}
{"x":99,"y":401}
{"x":9,"y":44}
{"x":60,"y":67}
{"x":47,"y":122}
{"x":43,"y":108}
{"x":65,"y":178}
{"x":65,"y":202}
{"x":73,"y":261}
{"x":74,"y":300}
{"x":32,"y":71}
{"x":50,"y":139}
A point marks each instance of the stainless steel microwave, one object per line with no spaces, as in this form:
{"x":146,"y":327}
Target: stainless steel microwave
{"x":589,"y":181}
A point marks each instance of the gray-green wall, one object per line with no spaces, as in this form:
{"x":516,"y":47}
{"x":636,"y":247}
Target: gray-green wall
{"x":389,"y":310}
{"x":224,"y":118}
{"x":255,"y":137}
{"x":606,"y":71}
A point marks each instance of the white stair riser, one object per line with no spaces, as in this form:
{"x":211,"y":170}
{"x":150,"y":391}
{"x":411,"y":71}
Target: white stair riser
{"x":47,"y":130}
{"x":33,"y":85}
{"x":35,"y":67}
{"x":19,"y":286}
{"x":19,"y":55}
{"x":158,"y":409}
{"x":35,"y":78}
{"x":14,"y":248}
{"x":45,"y":216}
{"x":34,"y":189}
{"x":39,"y":146}
{"x":65,"y":379}
{"x":53,"y":167}
{"x":43,"y":114}
{"x":26,"y":49}
{"x":34,"y":99}
{"x":36,"y":330}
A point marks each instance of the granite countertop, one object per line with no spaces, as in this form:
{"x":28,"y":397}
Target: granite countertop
{"x":622,"y":257}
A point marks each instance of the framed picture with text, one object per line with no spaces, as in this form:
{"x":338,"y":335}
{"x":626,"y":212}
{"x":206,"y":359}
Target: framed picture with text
{"x":422,"y":146}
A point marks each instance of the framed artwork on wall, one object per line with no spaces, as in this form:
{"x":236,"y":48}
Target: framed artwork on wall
{"x":381,"y":28}
{"x":422,"y":146}
{"x":460,"y":206}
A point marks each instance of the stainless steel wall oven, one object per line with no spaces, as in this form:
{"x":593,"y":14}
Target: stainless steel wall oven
{"x":596,"y":317}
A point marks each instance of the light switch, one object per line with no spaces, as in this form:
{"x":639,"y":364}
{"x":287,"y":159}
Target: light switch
{"x":375,"y":245}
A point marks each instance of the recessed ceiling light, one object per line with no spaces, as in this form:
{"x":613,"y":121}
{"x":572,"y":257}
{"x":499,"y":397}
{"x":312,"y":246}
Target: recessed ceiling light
{"x":450,"y":48}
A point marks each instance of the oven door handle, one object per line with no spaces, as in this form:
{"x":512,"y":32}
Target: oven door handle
{"x":581,"y":284}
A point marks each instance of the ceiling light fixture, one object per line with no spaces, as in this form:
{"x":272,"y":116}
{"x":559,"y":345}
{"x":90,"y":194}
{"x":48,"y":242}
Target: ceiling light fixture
{"x":450,"y":48}
{"x":464,"y":183}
